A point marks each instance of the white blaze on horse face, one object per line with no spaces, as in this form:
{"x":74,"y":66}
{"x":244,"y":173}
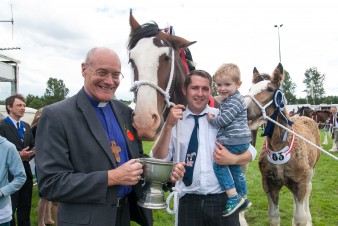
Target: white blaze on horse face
{"x":145,"y":56}
{"x":257,"y":88}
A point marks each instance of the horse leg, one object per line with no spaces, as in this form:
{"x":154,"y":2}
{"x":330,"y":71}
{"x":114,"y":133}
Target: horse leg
{"x":325,"y":138}
{"x":301,"y":193}
{"x":307,"y":199}
{"x":272,"y":192}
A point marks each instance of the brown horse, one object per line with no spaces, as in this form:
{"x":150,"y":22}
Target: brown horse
{"x":158,"y":75}
{"x":305,"y":111}
{"x":320,"y":117}
{"x":284,"y":160}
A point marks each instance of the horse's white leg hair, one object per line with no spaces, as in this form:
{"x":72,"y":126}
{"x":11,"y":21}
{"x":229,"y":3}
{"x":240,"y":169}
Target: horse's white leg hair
{"x":242,"y":220}
{"x":301,"y":212}
{"x":325,"y":138}
{"x":307,"y":199}
{"x":274,"y":214}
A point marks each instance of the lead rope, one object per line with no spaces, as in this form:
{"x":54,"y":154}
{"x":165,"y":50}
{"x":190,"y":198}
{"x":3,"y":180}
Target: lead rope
{"x":176,"y":191}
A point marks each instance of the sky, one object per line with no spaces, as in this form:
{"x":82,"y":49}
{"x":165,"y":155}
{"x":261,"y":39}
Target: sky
{"x":55,"y":36}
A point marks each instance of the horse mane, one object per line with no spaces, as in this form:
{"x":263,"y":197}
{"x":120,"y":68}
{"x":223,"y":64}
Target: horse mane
{"x":144,"y":31}
{"x":261,"y":77}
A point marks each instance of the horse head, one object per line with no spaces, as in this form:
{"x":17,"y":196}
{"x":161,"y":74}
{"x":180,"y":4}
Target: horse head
{"x":264,"y":97}
{"x":158,"y":75}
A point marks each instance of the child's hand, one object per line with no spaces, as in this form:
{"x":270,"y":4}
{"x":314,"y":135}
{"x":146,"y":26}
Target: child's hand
{"x":210,"y":116}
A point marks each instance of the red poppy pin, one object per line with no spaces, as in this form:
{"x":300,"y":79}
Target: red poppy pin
{"x":130,"y":135}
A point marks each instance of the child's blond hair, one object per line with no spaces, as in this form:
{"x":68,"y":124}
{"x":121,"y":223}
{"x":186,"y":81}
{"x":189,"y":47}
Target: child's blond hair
{"x":229,"y":69}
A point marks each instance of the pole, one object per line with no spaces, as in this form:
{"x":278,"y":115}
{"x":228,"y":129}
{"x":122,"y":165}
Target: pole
{"x":280,"y":58}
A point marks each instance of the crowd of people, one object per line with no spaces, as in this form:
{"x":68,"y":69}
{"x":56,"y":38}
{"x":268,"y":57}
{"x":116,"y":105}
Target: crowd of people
{"x":86,"y":152}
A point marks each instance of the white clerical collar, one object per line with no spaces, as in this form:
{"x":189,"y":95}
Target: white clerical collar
{"x":102,"y":104}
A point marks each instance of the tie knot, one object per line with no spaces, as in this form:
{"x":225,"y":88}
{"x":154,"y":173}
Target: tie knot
{"x":196,"y":117}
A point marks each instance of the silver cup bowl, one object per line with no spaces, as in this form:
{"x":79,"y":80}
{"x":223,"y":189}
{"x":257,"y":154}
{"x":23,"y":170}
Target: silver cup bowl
{"x":156,"y":172}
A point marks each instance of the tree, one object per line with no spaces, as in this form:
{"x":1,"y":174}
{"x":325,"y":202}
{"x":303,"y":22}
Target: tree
{"x":289,"y":87}
{"x":314,"y":84}
{"x":34,"y":101}
{"x":56,"y":91}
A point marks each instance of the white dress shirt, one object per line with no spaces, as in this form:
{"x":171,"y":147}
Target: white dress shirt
{"x":204,"y":179}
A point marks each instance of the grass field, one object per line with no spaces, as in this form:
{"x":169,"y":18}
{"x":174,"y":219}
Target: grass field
{"x":323,"y":201}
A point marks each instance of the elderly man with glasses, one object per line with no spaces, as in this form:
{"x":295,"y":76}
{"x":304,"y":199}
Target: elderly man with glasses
{"x":87,"y":150}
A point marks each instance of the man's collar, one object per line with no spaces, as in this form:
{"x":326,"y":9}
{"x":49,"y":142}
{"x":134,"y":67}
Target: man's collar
{"x":13,"y":120}
{"x":96,"y":103}
{"x":188,"y":112}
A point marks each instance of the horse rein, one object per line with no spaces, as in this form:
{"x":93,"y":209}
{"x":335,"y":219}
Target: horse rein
{"x":136,"y":84}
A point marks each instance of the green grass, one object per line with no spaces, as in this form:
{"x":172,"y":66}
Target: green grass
{"x":323,"y":200}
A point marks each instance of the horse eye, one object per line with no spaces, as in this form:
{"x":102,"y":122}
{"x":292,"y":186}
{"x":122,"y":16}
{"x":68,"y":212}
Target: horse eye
{"x":270,"y":89}
{"x":167,"y":58}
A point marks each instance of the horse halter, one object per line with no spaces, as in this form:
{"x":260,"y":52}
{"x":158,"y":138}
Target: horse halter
{"x":136,"y":84}
{"x":278,"y":99}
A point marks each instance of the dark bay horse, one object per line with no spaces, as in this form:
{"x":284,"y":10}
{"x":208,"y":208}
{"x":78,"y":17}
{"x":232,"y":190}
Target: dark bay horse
{"x":305,"y":111}
{"x":158,"y":75}
{"x":284,"y":160}
{"x":320,"y":116}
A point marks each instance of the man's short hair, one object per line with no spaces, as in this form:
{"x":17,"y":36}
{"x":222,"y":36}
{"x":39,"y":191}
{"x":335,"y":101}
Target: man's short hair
{"x":200,"y":73}
{"x":10,"y":100}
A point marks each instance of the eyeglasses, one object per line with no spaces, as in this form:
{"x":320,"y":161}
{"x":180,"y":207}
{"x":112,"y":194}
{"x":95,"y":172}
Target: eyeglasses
{"x":104,"y":74}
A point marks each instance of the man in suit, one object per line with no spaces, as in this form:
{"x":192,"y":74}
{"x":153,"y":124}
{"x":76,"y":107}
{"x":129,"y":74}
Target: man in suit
{"x":19,"y":133}
{"x":87,"y":150}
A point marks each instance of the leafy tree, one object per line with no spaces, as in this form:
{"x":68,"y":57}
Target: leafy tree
{"x":56,"y":91}
{"x":314,"y":84}
{"x":289,"y":88}
{"x":34,"y":101}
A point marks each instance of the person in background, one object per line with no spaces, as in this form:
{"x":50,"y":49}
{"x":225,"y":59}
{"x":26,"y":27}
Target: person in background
{"x":44,"y":206}
{"x":202,"y":200}
{"x":233,"y":133}
{"x":10,"y":163}
{"x":19,"y":133}
{"x":334,"y":129}
{"x":89,"y":164}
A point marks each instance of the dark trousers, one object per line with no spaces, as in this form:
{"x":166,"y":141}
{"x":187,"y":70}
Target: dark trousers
{"x":204,"y":210}
{"x":21,"y":203}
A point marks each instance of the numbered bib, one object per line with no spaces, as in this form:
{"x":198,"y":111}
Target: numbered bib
{"x":282,"y":156}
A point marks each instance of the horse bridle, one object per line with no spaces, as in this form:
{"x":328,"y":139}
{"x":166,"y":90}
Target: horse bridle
{"x":263,"y":108}
{"x":136,"y":84}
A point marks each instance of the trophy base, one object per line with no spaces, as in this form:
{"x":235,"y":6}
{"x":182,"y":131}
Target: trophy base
{"x":153,"y":206}
{"x":151,"y":201}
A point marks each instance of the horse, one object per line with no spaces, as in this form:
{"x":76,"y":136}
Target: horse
{"x":320,"y":117}
{"x":159,"y":75}
{"x":305,"y":111}
{"x":284,"y":160}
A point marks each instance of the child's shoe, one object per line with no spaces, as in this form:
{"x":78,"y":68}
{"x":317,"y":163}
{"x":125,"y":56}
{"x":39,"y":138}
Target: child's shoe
{"x":232,"y":205}
{"x":246,"y":205}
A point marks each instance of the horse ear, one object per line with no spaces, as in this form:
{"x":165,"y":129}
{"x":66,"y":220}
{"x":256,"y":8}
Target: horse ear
{"x":178,"y":42}
{"x":278,"y":76}
{"x":255,"y":75}
{"x":133,"y":23}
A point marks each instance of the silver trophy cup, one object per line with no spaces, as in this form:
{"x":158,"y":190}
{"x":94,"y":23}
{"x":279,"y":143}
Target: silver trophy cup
{"x":156,"y":172}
